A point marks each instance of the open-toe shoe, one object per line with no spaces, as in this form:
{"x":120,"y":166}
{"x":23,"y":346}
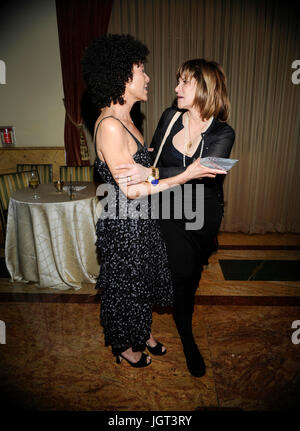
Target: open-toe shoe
{"x":142,"y":362}
{"x":156,"y":350}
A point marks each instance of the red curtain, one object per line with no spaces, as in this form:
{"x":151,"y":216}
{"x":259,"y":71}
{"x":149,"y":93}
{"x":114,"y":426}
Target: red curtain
{"x":79,"y":22}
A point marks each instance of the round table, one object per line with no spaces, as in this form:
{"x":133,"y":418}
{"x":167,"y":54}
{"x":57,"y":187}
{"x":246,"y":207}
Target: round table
{"x":51,"y":240}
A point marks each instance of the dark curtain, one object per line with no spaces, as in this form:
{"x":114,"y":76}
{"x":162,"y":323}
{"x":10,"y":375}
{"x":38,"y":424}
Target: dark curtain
{"x":79,"y":22}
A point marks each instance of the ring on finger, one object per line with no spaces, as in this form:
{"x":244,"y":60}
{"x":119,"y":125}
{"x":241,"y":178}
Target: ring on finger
{"x":129,"y":178}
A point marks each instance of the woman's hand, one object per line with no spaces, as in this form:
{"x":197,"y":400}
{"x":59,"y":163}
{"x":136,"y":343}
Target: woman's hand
{"x":133,"y":174}
{"x":196,"y":170}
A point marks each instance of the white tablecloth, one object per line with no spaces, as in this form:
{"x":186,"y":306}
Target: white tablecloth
{"x":51,"y":240}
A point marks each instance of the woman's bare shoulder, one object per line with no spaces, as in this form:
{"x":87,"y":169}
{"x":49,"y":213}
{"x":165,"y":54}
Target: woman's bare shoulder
{"x":109,"y":124}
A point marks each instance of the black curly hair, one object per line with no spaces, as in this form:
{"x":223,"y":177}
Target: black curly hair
{"x":107,"y":66}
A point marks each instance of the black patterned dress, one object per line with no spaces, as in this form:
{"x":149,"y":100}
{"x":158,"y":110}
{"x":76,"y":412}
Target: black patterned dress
{"x":134,"y":272}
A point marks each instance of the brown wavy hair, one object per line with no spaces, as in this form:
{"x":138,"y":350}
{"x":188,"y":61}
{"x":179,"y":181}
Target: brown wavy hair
{"x":211,"y":92}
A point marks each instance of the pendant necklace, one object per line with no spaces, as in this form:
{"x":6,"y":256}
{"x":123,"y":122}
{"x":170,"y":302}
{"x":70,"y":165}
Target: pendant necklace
{"x":187,"y":139}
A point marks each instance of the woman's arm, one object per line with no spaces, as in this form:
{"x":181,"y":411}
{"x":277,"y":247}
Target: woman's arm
{"x":135,"y":172}
{"x":220,"y":146}
{"x":140,"y":173}
{"x":112,"y":145}
{"x":221,"y":143}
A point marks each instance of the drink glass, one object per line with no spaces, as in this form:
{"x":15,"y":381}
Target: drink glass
{"x":59,"y":186}
{"x":34,"y":183}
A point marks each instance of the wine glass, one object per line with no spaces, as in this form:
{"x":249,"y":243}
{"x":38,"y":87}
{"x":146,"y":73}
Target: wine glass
{"x":34,"y":183}
{"x":59,"y":185}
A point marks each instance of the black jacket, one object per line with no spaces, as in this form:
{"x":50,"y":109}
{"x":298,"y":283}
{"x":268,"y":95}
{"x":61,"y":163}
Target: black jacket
{"x":218,"y":141}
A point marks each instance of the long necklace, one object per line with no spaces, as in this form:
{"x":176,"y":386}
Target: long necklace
{"x":187,"y":139}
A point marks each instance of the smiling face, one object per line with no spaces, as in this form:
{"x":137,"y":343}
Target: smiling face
{"x":136,"y":88}
{"x":186,"y":91}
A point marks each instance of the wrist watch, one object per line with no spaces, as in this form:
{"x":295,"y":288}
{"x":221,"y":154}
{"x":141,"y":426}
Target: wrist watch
{"x":152,"y":180}
{"x":154,"y":177}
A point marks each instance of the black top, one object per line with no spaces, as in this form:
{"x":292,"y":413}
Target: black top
{"x":218,"y":141}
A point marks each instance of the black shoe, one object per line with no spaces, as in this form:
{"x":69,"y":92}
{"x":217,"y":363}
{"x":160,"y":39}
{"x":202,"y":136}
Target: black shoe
{"x":141,"y":363}
{"x":194,"y":361}
{"x":156,"y":350}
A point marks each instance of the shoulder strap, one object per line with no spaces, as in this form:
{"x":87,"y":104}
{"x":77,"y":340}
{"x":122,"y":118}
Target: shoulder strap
{"x":108,"y":116}
{"x":111,"y":116}
{"x":176,"y":115}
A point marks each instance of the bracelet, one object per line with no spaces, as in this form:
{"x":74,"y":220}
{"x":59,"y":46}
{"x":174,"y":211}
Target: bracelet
{"x":155,"y":172}
{"x":152,"y":180}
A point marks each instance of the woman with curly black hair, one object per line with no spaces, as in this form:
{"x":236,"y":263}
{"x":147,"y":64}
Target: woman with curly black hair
{"x":134,"y":272}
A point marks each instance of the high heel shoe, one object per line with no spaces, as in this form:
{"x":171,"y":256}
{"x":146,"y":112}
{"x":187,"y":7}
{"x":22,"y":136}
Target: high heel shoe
{"x":141,"y":363}
{"x":156,"y":350}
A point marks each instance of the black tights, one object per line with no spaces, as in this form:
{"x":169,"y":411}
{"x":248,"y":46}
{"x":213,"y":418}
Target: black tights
{"x":185,"y":259}
{"x":186,"y":268}
{"x":184,"y":300}
{"x":184,"y":296}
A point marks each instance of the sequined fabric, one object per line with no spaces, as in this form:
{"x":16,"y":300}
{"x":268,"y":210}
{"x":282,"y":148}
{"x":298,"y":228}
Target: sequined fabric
{"x":134,"y":272}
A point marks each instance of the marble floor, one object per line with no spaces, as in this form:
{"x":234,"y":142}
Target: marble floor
{"x":54,"y":358}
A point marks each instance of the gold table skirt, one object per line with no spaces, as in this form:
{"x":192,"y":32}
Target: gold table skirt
{"x":51,"y":240}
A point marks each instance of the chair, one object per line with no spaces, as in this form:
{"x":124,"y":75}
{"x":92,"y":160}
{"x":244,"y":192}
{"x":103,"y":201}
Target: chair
{"x":79,"y":173}
{"x":45,"y":171}
{"x":11,"y":182}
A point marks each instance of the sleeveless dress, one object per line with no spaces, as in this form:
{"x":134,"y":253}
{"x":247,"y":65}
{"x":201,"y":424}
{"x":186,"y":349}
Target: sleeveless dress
{"x":134,"y":270}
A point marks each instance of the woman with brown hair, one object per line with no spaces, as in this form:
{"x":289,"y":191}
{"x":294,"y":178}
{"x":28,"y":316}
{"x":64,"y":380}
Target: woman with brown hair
{"x":199,"y":131}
